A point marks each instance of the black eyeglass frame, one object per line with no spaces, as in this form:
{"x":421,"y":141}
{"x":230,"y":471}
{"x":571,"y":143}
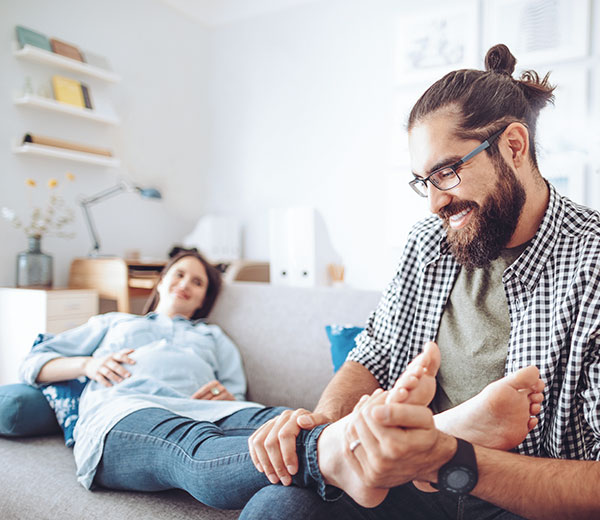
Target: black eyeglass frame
{"x":454,"y":167}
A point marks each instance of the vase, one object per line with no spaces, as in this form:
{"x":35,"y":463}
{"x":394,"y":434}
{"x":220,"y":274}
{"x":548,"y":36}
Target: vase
{"x":34,"y":268}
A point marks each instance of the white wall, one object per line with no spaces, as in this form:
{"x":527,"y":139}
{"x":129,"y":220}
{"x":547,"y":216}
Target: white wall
{"x":161,"y":100}
{"x":293,"y":107}
{"x":301,"y":115}
{"x":303,"y":108}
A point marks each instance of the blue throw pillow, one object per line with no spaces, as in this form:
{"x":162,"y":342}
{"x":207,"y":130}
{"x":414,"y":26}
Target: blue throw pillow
{"x":24,"y":411}
{"x":63,"y":398}
{"x":341,"y":339}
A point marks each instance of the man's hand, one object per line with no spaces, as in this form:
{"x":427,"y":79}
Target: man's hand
{"x":213,"y":391}
{"x":398,"y":443}
{"x":273,"y":445}
{"x":108,"y":370}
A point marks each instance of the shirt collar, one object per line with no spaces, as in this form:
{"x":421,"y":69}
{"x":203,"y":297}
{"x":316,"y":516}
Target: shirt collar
{"x":529,"y":266}
{"x":155,"y":315}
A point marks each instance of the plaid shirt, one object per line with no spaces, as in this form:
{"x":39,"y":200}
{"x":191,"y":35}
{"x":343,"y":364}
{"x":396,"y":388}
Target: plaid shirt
{"x":553,"y":293}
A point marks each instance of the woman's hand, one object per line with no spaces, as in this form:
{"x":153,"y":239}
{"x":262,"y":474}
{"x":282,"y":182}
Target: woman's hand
{"x":213,"y":391}
{"x":108,"y":370}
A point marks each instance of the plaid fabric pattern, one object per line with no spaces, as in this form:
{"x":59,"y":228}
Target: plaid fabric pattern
{"x":553,"y":293}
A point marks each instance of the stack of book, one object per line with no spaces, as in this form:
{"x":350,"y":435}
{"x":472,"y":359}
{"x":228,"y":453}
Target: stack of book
{"x":66,"y":90}
{"x":26,"y":36}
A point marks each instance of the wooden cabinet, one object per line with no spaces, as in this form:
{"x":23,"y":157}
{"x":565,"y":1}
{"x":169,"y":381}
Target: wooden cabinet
{"x":24,"y":313}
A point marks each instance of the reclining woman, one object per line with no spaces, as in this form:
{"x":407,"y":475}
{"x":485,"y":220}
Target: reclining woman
{"x":164,"y":405}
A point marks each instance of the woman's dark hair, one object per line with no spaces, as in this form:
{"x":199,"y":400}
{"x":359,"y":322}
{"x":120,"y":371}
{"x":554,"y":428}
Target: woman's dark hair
{"x":214,"y":284}
{"x":488,"y":100}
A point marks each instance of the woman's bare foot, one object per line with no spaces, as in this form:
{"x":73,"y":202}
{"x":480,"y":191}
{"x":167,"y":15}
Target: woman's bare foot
{"x":417,"y":383}
{"x":415,"y":386}
{"x":501,"y":415}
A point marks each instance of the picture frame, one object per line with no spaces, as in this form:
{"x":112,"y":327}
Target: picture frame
{"x":563,"y":132}
{"x":564,"y":125}
{"x":538,"y":31}
{"x":430,"y":44}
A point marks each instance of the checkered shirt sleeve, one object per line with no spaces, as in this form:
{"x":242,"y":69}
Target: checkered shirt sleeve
{"x":553,"y":295}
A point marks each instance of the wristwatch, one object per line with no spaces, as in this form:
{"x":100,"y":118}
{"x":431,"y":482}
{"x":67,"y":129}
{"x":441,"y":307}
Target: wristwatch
{"x":459,"y":475}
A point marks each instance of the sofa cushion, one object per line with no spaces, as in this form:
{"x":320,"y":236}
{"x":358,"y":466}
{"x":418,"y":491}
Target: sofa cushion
{"x":341,"y":340}
{"x":25,"y":411}
{"x":63,"y":398}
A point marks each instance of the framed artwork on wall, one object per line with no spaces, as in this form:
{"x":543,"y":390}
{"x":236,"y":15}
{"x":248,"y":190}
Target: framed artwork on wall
{"x":538,"y":31}
{"x":429,"y":44}
{"x":563,"y":125}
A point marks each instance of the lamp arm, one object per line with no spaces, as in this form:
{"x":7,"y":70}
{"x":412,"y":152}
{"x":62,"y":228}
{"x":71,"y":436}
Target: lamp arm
{"x":90,"y":201}
{"x":92,"y":229}
{"x":104,"y":194}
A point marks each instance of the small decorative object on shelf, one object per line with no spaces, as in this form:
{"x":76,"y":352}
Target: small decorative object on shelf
{"x":34,"y":268}
{"x":336,"y":274}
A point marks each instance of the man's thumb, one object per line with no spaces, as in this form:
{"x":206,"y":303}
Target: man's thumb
{"x":310,"y":420}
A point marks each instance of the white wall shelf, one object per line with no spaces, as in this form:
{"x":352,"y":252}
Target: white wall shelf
{"x":35,"y":54}
{"x":64,"y":108}
{"x":62,"y":153}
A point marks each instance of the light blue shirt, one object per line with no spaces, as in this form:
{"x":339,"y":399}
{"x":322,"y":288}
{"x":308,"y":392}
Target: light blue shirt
{"x":174,"y":358}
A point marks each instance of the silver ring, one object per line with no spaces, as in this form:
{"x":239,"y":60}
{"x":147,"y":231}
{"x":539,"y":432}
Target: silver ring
{"x":215,"y":391}
{"x":354,"y":444}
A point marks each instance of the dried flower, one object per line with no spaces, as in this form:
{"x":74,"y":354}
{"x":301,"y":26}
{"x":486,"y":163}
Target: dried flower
{"x":49,"y":220}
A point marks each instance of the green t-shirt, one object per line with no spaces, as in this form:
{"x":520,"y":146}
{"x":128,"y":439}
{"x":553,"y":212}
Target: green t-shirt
{"x":474,"y":332}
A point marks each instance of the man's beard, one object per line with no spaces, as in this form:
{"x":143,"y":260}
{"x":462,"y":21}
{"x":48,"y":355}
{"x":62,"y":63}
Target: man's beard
{"x":492,"y":225}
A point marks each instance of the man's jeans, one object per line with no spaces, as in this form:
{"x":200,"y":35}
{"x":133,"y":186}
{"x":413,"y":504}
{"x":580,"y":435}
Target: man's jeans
{"x":154,"y":449}
{"x":402,"y":503}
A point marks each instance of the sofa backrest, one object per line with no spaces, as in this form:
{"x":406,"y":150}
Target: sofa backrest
{"x":280,"y":332}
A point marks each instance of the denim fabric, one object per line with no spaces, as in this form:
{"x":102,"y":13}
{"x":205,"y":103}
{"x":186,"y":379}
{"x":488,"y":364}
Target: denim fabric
{"x":154,"y":449}
{"x":173,"y":358}
{"x":402,"y":503}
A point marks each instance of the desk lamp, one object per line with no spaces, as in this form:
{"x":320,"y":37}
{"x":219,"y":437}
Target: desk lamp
{"x":146,"y":193}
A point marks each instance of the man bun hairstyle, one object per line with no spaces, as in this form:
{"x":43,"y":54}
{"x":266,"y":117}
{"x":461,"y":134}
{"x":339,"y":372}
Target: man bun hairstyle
{"x":489,"y":99}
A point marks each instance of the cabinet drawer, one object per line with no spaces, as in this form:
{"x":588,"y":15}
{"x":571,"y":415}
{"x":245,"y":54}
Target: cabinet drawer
{"x":66,"y":305}
{"x":54,"y":326}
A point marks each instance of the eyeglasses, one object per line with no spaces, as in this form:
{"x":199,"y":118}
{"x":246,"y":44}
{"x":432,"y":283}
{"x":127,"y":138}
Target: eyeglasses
{"x":446,"y":178}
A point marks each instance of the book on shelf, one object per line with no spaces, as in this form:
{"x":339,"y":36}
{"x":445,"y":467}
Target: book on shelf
{"x":26,"y":36}
{"x":68,"y":91}
{"x":66,"y":49}
{"x":86,"y":96}
{"x":67,"y":145}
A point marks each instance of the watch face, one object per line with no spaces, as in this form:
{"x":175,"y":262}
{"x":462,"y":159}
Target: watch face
{"x":459,"y":479}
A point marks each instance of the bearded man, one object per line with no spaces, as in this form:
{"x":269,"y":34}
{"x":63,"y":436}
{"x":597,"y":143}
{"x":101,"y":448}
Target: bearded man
{"x":503,"y":278}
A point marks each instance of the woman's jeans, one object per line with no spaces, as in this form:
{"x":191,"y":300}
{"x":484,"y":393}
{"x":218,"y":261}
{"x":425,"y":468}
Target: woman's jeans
{"x":154,"y":449}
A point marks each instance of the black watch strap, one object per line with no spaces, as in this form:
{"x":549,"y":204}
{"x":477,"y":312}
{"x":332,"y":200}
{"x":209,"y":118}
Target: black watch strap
{"x":459,"y":475}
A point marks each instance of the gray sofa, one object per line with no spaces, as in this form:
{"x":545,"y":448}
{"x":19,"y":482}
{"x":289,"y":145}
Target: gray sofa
{"x":280,"y":333}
